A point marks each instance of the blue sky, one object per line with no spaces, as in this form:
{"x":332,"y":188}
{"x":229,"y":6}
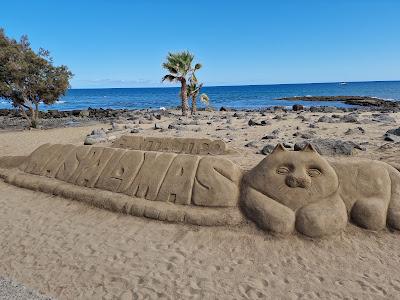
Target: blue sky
{"x":123,"y":43}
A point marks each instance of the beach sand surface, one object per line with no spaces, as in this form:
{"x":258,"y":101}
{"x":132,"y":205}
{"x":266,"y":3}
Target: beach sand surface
{"x":68,"y":250}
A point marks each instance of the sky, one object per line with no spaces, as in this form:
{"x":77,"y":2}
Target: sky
{"x":123,"y":43}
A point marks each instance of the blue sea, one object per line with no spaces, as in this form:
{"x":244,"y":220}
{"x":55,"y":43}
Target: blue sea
{"x":246,"y":96}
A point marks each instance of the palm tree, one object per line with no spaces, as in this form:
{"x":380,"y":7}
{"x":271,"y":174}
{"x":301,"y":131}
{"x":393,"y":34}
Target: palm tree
{"x":193,"y":90}
{"x":179,"y":66}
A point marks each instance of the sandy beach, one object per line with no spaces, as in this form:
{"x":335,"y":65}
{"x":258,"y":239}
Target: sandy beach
{"x":68,"y":250}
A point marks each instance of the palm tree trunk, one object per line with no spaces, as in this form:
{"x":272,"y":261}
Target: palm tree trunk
{"x":194,"y":105}
{"x":185,"y":106}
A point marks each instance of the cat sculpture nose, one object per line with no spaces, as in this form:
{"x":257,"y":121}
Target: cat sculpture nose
{"x":293,"y":182}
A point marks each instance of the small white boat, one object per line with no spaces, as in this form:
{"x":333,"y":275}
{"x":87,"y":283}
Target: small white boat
{"x":342,"y":83}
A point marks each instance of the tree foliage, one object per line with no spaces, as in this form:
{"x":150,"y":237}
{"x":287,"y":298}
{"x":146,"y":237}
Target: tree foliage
{"x":28,"y":78}
{"x":179,"y":66}
{"x":193,"y":91}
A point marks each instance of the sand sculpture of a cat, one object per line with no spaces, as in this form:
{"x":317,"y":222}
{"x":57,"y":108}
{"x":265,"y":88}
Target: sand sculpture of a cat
{"x":286,"y":191}
{"x":301,"y":190}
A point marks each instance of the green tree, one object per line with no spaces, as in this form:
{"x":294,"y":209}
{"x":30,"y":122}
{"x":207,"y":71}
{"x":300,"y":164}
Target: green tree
{"x":179,"y":66}
{"x":28,"y":78}
{"x":193,"y":90}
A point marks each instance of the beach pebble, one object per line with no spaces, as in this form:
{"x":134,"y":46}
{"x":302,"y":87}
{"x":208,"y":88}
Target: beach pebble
{"x":267,"y":149}
{"x":287,"y":145}
{"x":99,"y":132}
{"x":252,"y":144}
{"x":357,"y":130}
{"x":136,"y":130}
{"x":255,"y":123}
{"x":269,"y":137}
{"x":93,"y":139}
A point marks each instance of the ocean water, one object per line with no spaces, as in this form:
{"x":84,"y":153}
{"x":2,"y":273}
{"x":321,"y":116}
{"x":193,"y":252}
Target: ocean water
{"x":250,"y":96}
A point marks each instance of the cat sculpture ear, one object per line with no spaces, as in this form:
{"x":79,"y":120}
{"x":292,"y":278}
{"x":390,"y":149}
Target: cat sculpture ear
{"x":279,"y":148}
{"x":309,"y":148}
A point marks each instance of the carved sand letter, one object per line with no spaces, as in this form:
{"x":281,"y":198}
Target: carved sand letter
{"x":150,"y":176}
{"x":120,"y":170}
{"x":52,"y":166}
{"x":216,"y":183}
{"x":217,"y":147}
{"x":71,"y":163}
{"x":90,"y":169}
{"x":178,"y":183}
{"x":37,"y":159}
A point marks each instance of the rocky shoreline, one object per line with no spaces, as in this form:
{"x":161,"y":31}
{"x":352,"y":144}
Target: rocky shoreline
{"x":350,"y":100}
{"x":11,"y":119}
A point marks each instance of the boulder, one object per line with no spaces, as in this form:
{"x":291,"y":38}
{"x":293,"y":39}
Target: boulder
{"x":357,"y":130}
{"x":84,"y":113}
{"x":351,"y":118}
{"x":326,"y":119}
{"x":330,"y":146}
{"x":392,"y":135}
{"x":297,"y":107}
{"x":395,"y":131}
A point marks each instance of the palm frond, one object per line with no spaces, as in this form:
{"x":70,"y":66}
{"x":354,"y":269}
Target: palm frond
{"x":170,"y":78}
{"x":171,"y":68}
{"x":205,"y":99}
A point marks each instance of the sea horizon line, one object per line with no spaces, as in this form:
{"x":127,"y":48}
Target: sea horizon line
{"x":232,"y":85}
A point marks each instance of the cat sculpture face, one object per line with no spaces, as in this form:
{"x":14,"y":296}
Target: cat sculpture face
{"x":294,"y":178}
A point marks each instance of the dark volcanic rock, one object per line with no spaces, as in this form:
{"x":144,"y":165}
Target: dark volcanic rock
{"x":391,"y":138}
{"x":351,"y":100}
{"x":331,"y":146}
{"x":392,"y":135}
{"x":326,"y":119}
{"x":324,"y":109}
{"x":383,"y":118}
{"x":269,"y":137}
{"x":395,"y":131}
{"x":255,"y":123}
{"x":297,"y":107}
{"x":267,"y":149}
{"x":358,"y":130}
{"x":252,"y":144}
{"x":351,"y":118}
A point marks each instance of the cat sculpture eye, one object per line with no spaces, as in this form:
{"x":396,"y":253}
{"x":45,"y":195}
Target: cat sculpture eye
{"x":283,"y":170}
{"x":313,"y":172}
